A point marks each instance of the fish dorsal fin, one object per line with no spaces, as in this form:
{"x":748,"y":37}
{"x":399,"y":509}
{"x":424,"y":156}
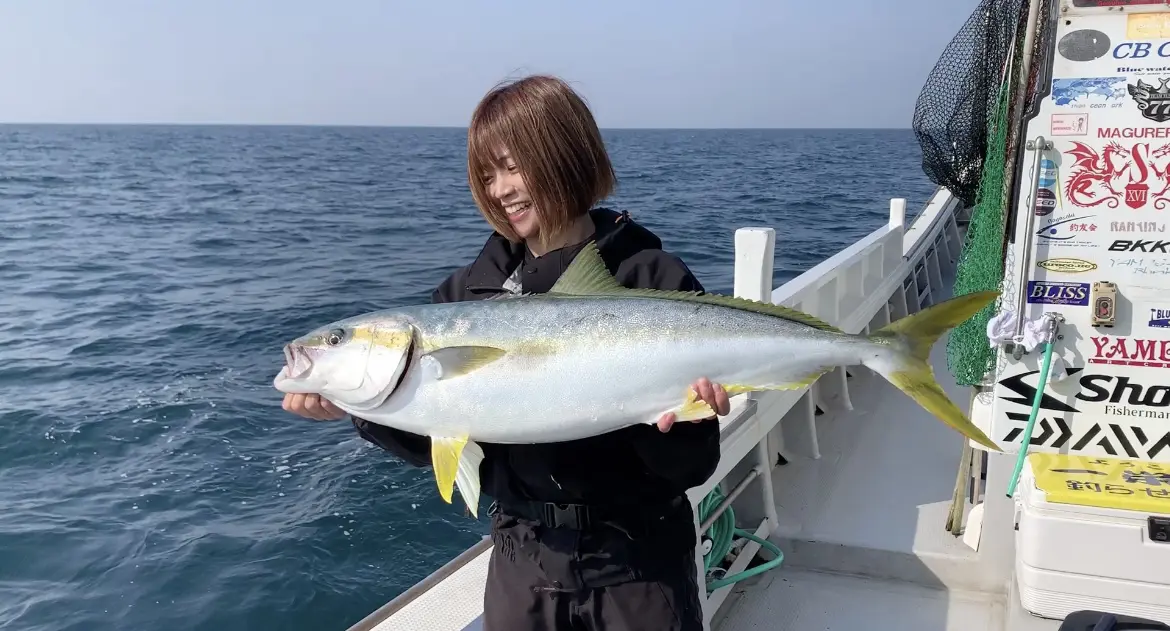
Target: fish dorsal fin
{"x":587,"y":275}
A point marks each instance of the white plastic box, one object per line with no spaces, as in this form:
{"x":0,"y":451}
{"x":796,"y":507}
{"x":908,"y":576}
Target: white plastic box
{"x":1083,"y":536}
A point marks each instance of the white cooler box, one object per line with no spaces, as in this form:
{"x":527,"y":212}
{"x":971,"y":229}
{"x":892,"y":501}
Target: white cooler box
{"x":1088,"y":536}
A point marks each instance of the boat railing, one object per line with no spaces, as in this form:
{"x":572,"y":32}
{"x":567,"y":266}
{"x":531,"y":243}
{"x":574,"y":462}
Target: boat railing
{"x":892,"y":272}
{"x":889,"y":273}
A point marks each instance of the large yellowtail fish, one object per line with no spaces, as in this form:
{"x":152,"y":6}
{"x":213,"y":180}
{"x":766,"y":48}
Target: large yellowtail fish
{"x":589,"y":357}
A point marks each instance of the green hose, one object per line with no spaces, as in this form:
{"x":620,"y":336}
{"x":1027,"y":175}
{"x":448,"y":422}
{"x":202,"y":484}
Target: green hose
{"x":722,"y":534}
{"x":1027,"y":440}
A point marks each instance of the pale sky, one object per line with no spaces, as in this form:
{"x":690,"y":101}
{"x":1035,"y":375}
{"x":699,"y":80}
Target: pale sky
{"x":639,"y":63}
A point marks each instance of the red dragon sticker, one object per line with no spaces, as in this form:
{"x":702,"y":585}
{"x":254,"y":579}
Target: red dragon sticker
{"x":1119,"y":174}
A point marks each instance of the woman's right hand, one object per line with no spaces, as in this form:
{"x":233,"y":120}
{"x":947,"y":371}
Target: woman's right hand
{"x":312,"y":406}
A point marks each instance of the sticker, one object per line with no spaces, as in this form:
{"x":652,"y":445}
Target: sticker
{"x":1066,"y":265}
{"x":1068,"y":230}
{"x":1084,"y":45}
{"x":1047,"y":292}
{"x":1045,"y":202}
{"x":1133,"y":132}
{"x":1094,"y":178}
{"x":1163,"y":51}
{"x":1089,"y":412}
{"x":1147,"y":26}
{"x":1135,"y":485}
{"x":1047,"y":173}
{"x":1136,"y":226}
{"x":1069,"y":125}
{"x":1159,"y":318}
{"x":1131,"y":351}
{"x":1084,"y":92}
{"x":1153,"y":102}
{"x":1140,"y":50}
{"x":1150,"y":246}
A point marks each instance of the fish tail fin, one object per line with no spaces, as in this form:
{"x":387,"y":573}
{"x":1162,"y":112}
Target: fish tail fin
{"x":908,"y":365}
{"x":456,"y":462}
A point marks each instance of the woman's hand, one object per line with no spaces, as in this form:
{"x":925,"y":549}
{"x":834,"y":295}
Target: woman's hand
{"x":312,"y":406}
{"x":713,"y":394}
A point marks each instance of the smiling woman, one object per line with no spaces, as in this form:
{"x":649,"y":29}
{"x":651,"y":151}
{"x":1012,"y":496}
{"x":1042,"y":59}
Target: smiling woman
{"x":595,"y":533}
{"x":536,"y":162}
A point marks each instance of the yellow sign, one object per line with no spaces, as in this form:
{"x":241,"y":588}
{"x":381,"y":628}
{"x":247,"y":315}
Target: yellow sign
{"x":1137,"y":485}
{"x":1147,"y":26}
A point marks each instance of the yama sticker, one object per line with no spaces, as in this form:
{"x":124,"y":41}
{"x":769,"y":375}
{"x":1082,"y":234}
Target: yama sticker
{"x":1069,"y":125}
{"x":1153,"y":102}
{"x":1086,"y":92}
{"x":1130,"y":351}
{"x":1066,"y":265}
{"x":1047,"y":292}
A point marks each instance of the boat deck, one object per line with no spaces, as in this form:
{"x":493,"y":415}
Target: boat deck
{"x":863,"y":528}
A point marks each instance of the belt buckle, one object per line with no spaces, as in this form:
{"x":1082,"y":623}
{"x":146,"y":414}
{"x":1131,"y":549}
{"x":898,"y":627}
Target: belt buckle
{"x":565,"y":515}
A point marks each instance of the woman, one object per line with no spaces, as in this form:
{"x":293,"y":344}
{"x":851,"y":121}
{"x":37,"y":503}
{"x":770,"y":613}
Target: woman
{"x":597,"y":533}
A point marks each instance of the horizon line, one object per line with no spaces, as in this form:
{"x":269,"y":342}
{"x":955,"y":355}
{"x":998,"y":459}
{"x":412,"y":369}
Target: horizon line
{"x":381,"y":126}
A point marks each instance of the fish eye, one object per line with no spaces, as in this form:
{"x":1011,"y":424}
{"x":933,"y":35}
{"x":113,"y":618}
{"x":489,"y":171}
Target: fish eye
{"x":335,"y":337}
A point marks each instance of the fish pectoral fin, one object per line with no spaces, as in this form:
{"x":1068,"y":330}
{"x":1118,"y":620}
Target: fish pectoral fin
{"x":456,"y":462}
{"x":454,"y":361}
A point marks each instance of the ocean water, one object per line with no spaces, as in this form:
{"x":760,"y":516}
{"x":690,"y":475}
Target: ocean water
{"x":148,"y":476}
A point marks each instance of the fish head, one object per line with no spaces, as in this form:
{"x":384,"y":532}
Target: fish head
{"x":354,"y":363}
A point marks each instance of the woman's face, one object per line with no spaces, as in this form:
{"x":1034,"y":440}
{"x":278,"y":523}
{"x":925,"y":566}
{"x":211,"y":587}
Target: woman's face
{"x":506,"y":185}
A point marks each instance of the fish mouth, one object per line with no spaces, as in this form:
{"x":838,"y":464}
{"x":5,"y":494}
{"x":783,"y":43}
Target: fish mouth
{"x":297,"y":361}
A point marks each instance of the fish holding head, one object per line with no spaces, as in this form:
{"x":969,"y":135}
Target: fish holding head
{"x":356,"y":364}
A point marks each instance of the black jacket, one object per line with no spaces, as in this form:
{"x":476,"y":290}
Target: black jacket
{"x":634,"y":466}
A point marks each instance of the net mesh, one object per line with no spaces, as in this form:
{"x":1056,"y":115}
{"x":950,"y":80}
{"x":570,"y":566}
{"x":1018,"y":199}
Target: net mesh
{"x":963,"y":123}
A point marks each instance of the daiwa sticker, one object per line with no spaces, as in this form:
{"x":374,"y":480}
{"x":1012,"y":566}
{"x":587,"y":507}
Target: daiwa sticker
{"x":1069,"y":125}
{"x":1047,"y":292}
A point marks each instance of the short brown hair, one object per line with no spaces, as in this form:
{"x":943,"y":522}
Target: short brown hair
{"x":551,"y":135}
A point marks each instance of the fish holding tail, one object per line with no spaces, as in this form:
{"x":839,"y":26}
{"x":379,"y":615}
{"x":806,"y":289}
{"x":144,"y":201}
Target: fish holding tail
{"x":589,"y":357}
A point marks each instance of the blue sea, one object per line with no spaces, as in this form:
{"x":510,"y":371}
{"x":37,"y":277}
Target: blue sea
{"x":149,"y":478}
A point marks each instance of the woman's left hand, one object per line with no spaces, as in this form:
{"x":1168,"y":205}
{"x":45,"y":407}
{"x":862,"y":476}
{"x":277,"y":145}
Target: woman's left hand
{"x":713,"y":394}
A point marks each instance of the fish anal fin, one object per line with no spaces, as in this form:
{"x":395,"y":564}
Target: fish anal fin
{"x":455,"y":361}
{"x":456,"y":463}
{"x":737,"y":388}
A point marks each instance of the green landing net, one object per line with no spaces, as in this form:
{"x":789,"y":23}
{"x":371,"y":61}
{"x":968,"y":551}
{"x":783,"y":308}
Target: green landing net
{"x":963,"y":122}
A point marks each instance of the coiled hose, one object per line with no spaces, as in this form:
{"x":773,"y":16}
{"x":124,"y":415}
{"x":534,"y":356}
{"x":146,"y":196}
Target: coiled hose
{"x":722,"y":534}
